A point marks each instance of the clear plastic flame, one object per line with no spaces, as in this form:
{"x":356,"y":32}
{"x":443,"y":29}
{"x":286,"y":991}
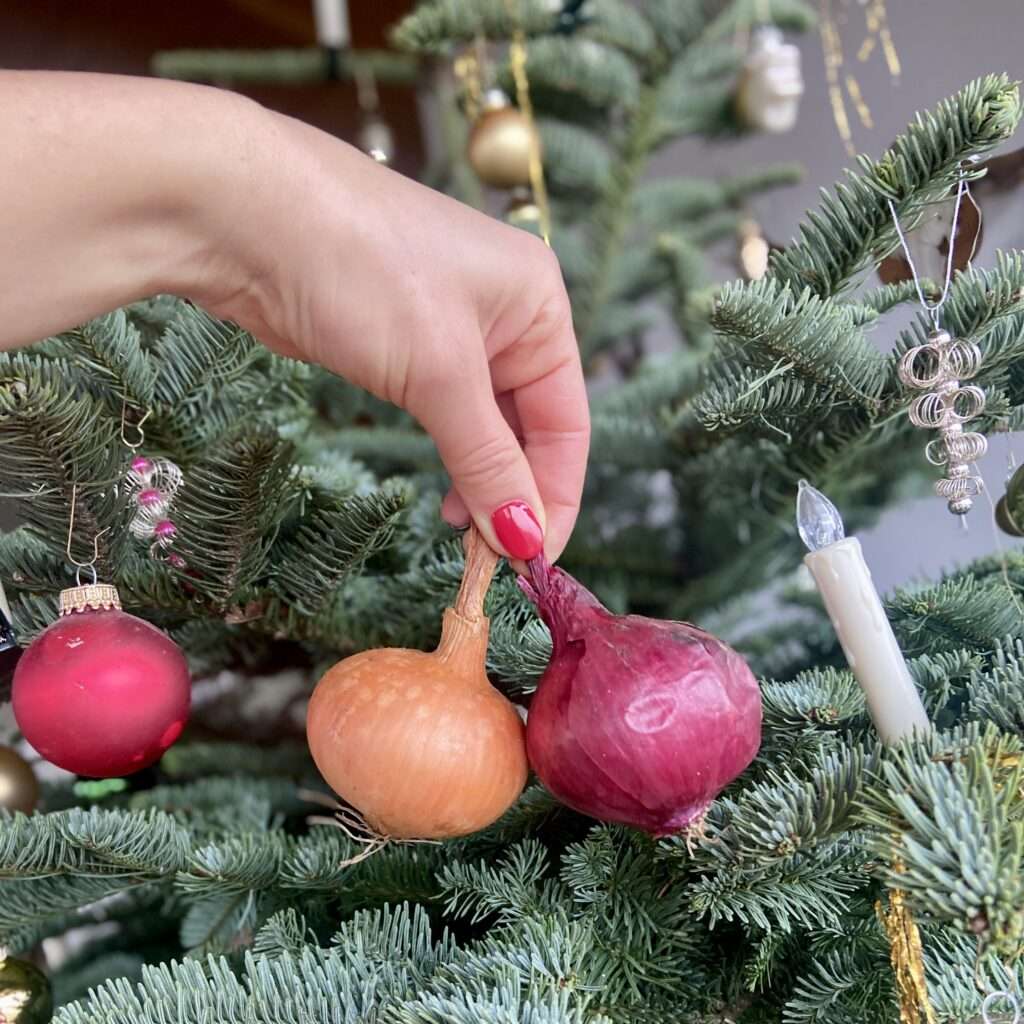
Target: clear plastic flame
{"x":817,"y":519}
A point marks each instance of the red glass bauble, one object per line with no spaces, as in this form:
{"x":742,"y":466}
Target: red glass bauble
{"x":102,"y":693}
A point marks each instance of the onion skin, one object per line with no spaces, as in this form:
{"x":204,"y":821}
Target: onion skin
{"x":635,"y":720}
{"x":420,"y":743}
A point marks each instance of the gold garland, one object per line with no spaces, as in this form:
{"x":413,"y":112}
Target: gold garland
{"x":907,"y":957}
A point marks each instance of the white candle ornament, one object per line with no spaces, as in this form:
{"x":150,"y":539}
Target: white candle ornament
{"x":332,"y":28}
{"x":837,"y":564}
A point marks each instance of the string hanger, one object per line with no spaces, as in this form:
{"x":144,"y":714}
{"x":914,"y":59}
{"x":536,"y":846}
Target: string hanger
{"x":963,"y":189}
{"x":91,"y":563}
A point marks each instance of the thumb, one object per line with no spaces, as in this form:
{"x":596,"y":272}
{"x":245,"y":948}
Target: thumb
{"x":488,"y":467}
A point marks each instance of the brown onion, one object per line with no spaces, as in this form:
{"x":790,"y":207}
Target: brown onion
{"x":420,"y":743}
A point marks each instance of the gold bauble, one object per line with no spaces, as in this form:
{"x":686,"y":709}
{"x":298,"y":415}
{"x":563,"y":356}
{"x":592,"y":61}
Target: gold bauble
{"x":19,"y":790}
{"x":25,"y":996}
{"x":500,"y":144}
{"x":1010,"y":507}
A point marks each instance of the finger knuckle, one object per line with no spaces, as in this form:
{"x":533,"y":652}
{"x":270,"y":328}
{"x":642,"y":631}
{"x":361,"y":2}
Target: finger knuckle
{"x":488,"y":460}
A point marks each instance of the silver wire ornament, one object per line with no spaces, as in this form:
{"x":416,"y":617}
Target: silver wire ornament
{"x":938,"y":368}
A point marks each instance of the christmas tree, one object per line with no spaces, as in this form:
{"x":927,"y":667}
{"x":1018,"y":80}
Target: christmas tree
{"x":307,"y":528}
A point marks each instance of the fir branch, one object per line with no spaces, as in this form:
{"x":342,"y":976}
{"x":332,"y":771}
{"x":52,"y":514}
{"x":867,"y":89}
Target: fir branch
{"x":334,"y":538}
{"x":109,"y":349}
{"x":818,"y":340}
{"x":227,"y":510}
{"x":57,"y":441}
{"x":203,"y":354}
{"x":853,"y":226}
{"x":563,"y":68}
{"x":951,"y":815}
{"x":576,"y":161}
{"x":434,"y":26}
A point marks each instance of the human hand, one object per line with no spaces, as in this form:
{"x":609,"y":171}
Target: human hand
{"x":118,"y":188}
{"x":456,"y":317}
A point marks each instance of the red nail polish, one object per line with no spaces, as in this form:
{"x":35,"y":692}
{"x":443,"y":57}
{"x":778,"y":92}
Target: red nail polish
{"x":518,"y":530}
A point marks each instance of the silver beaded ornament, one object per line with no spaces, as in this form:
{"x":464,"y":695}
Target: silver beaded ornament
{"x":938,"y":368}
{"x":152,"y":484}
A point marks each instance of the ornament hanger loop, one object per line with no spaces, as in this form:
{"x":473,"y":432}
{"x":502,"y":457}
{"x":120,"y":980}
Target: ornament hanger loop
{"x":138,"y":427}
{"x":1001,"y":997}
{"x":91,"y":564}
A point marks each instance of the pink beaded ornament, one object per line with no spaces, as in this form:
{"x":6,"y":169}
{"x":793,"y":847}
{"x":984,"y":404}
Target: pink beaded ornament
{"x":152,"y":486}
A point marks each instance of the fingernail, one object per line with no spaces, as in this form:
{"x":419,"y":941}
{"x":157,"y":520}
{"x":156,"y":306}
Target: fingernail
{"x":518,"y":530}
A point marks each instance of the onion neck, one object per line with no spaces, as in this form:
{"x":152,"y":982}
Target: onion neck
{"x":464,"y":629}
{"x":481,"y":562}
{"x":464,"y":644}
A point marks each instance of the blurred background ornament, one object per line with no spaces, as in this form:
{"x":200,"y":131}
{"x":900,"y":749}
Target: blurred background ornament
{"x":19,"y":789}
{"x":771,"y":83}
{"x":501,"y":142}
{"x":754,"y":250}
{"x":375,"y":136}
{"x":10,"y":652}
{"x":25,"y":996}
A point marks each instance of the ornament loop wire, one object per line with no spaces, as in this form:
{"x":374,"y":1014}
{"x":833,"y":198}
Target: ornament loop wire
{"x":138,"y":427}
{"x":91,"y":564}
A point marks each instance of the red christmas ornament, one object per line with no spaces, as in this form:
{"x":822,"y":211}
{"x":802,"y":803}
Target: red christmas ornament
{"x":101,"y":693}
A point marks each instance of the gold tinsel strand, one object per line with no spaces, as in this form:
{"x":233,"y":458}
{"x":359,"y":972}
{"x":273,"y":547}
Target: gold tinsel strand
{"x":907,"y":958}
{"x":468,"y":71}
{"x":877,"y":36}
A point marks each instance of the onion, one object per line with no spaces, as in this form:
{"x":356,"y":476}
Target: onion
{"x":635,"y":720}
{"x":420,"y":743}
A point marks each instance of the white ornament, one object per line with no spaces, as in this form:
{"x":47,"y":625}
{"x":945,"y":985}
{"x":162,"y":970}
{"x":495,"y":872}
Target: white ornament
{"x":332,"y":28}
{"x":770,"y":86}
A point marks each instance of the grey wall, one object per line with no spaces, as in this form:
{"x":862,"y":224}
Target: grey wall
{"x":942,"y":45}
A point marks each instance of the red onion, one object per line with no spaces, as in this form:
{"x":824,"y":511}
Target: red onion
{"x":635,"y":720}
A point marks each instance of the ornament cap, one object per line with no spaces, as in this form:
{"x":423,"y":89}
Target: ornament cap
{"x":95,"y":596}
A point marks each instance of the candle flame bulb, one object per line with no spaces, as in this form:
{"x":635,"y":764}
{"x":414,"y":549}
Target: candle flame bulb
{"x":817,"y":519}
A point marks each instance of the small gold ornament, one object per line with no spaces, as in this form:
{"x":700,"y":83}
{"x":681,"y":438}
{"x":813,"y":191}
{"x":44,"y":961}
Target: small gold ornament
{"x":25,"y":996}
{"x":523,"y":211}
{"x":907,"y":959}
{"x":1010,"y":507}
{"x":754,"y":250}
{"x":19,"y":789}
{"x":501,"y":142}
{"x":771,"y":83}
